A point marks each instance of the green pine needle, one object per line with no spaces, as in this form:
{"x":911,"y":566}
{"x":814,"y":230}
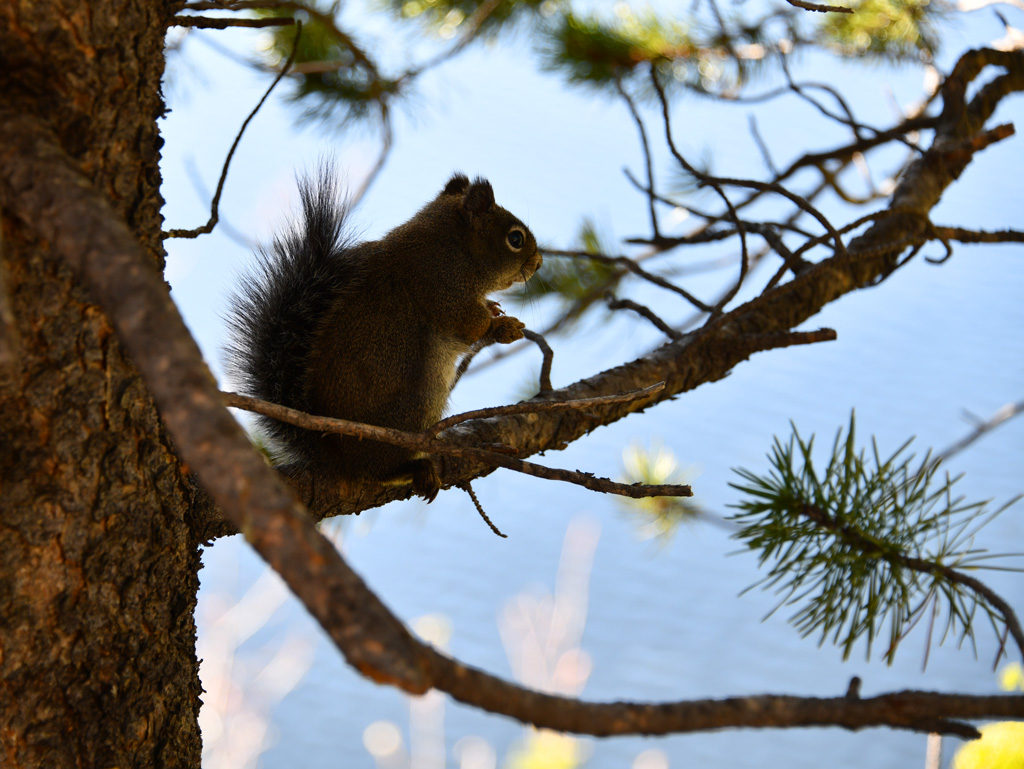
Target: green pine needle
{"x":886,"y":29}
{"x":867,"y":545}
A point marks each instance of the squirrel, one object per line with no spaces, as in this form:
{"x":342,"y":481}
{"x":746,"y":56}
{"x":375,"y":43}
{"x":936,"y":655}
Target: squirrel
{"x":373,"y":332}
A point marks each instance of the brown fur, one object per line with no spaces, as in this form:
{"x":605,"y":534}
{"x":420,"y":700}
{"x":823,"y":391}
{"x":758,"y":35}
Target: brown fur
{"x":374,"y":332}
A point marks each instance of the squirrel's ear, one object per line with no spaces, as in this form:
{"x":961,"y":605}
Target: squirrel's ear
{"x":456,"y":185}
{"x":479,"y":197}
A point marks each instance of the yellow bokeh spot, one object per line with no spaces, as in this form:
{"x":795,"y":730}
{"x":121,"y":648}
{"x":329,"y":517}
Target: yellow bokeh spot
{"x":1011,"y":677}
{"x":1001,"y":747}
{"x":548,"y":750}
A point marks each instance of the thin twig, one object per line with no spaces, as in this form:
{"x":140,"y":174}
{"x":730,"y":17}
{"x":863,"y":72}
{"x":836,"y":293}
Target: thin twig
{"x":209,"y":22}
{"x":547,"y":357}
{"x":1004,"y":414}
{"x":844,"y":152}
{"x":712,"y":182}
{"x":702,"y":234}
{"x":466,"y":487}
{"x":963,"y":235}
{"x":226,"y":227}
{"x":535,"y":407}
{"x":208,"y":227}
{"x":644,"y":311}
{"x":819,"y":7}
{"x":647,"y":156}
{"x":874,"y":216}
{"x":636,"y":269}
{"x":766,"y":155}
{"x":387,"y":140}
{"x":327,"y":20}
{"x":776,"y":339}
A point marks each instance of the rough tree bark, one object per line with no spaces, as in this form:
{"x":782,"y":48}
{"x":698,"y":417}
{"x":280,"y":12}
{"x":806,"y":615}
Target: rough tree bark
{"x":98,"y":562}
{"x":98,"y":568}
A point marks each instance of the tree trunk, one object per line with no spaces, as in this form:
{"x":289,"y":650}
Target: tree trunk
{"x":98,"y":567}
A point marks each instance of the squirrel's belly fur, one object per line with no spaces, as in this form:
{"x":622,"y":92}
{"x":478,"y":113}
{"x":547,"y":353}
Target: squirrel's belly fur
{"x":372,"y":332}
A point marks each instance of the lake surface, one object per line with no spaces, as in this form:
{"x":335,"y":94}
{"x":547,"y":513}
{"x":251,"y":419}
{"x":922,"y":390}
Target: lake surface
{"x":664,"y":619}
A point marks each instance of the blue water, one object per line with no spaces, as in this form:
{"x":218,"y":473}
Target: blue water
{"x":665,"y":621}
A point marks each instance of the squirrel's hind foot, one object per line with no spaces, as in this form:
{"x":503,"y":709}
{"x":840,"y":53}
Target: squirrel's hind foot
{"x":423,"y":476}
{"x":425,"y":480}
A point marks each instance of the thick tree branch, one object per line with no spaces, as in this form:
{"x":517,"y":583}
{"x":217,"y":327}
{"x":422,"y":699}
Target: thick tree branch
{"x":40,"y":185}
{"x":534,"y":406}
{"x":914,"y":710}
{"x":427,"y":443}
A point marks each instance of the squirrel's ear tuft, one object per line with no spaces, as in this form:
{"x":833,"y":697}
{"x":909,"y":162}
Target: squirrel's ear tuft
{"x":479,"y":197}
{"x":456,"y":185}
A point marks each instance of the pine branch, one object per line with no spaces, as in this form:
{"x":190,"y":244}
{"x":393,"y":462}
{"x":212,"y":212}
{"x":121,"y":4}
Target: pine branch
{"x":867,"y":540}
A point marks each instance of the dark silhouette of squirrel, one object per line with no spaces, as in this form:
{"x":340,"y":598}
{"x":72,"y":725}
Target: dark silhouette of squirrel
{"x":373,"y":332}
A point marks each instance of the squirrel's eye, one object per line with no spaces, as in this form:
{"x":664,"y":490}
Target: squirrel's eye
{"x":516,"y":238}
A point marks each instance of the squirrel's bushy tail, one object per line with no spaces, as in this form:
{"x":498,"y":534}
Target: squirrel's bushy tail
{"x":278,"y":305}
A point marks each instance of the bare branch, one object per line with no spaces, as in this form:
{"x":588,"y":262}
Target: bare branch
{"x":712,"y":182}
{"x":644,"y":311}
{"x":1004,"y":414}
{"x":537,"y":406}
{"x":632,"y":266}
{"x":820,"y":8}
{"x":208,"y":22}
{"x":326,"y":19}
{"x":766,"y":155}
{"x":480,"y":509}
{"x":212,"y":222}
{"x":647,"y":155}
{"x":547,"y":356}
{"x":912,"y":710}
{"x":964,"y":235}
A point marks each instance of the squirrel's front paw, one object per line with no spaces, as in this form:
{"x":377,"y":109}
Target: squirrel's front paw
{"x":505,"y":329}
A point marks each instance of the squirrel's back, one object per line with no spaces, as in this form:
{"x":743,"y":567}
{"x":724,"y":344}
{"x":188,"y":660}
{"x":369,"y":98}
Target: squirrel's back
{"x":277,"y":305}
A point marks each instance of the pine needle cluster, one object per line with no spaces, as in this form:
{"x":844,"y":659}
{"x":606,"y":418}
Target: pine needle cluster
{"x":868,"y":545}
